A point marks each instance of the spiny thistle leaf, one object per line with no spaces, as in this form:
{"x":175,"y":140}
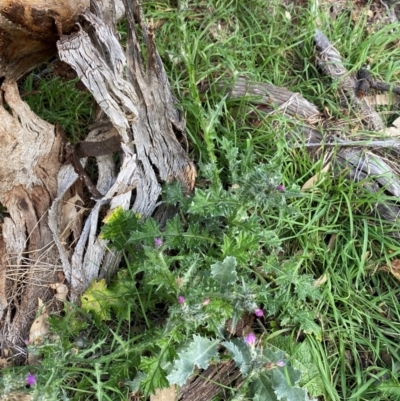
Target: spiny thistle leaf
{"x":155,"y":375}
{"x":283,"y":390}
{"x":261,"y":389}
{"x":390,"y":389}
{"x":134,"y":385}
{"x":284,"y":381}
{"x":265,"y":388}
{"x":145,"y":233}
{"x":122,"y":291}
{"x":174,"y":232}
{"x":173,"y":194}
{"x":307,"y":323}
{"x":311,"y":380}
{"x":240,"y":353}
{"x":99,"y":299}
{"x":214,"y":202}
{"x":198,"y":353}
{"x":225,"y":272}
{"x":301,"y":358}
{"x":119,"y":224}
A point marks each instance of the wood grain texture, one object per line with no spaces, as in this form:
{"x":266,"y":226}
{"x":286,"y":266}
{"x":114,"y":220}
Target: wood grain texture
{"x":136,"y":117}
{"x":209,"y":383}
{"x":30,"y":29}
{"x":27,"y":187}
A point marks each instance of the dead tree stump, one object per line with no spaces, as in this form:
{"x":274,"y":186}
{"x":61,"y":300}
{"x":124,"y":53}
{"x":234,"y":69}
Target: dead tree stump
{"x":136,"y":118}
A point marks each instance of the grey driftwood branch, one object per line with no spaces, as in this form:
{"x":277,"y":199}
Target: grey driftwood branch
{"x":383,"y":86}
{"x":272,"y":97}
{"x":330,"y":62}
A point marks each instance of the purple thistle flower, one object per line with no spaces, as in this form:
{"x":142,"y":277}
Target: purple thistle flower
{"x":30,"y":379}
{"x":280,"y":363}
{"x":181,"y":299}
{"x":281,"y":188}
{"x":250,"y":339}
{"x":259,"y":312}
{"x":158,"y":242}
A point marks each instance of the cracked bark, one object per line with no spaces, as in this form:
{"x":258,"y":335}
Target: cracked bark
{"x":135,"y":117}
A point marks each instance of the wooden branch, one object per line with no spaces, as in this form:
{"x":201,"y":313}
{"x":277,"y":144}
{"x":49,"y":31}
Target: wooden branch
{"x":330,"y":62}
{"x":383,"y":86}
{"x":76,"y":164}
{"x":390,"y":143}
{"x":271,"y":96}
{"x":98,"y":148}
{"x":365,"y":82}
{"x":209,"y":383}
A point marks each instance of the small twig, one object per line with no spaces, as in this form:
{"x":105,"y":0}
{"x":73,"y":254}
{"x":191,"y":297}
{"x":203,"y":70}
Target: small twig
{"x":73,"y":158}
{"x":391,"y":143}
{"x":98,"y":148}
{"x":382,"y":86}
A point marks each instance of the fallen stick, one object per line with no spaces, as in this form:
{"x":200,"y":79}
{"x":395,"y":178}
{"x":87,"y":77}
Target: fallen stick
{"x":390,"y":143}
{"x":330,"y":62}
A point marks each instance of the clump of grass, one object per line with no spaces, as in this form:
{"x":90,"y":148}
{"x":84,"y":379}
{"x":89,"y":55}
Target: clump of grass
{"x":60,"y":102}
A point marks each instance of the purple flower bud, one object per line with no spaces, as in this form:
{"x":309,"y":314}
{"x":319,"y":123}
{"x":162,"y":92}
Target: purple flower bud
{"x":250,"y":339}
{"x":281,"y":188}
{"x":181,"y":299}
{"x":259,"y":312}
{"x":30,"y":379}
{"x":206,"y":302}
{"x":158,"y":242}
{"x":280,"y":363}
{"x":26,"y":341}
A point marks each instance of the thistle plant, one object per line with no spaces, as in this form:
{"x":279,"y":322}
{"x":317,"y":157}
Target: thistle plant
{"x":184,"y":290}
{"x":214,"y":262}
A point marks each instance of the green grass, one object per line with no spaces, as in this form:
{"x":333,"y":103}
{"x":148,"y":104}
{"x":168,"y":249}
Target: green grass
{"x":331,"y":230}
{"x":60,"y":102}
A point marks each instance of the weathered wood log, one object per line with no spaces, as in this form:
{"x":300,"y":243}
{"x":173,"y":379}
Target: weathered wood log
{"x":140,"y":107}
{"x":209,"y":383}
{"x":28,"y":185}
{"x":29,"y":30}
{"x":136,"y":118}
{"x":273,"y":98}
